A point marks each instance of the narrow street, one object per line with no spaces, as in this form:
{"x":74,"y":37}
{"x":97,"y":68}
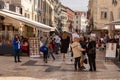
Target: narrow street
{"x":36,"y":69}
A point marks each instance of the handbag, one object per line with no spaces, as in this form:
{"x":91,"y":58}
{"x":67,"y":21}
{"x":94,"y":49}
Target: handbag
{"x":85,"y":59}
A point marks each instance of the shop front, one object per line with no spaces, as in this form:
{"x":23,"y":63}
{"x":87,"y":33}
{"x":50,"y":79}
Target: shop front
{"x":12,"y":23}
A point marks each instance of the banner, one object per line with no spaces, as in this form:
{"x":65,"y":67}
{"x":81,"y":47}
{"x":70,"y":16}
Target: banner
{"x":111,"y":50}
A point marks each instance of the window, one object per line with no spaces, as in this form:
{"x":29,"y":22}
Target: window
{"x":119,"y":13}
{"x":114,"y":2}
{"x":77,"y":27}
{"x":25,"y":15}
{"x":35,"y":17}
{"x":28,"y":15}
{"x":77,"y":22}
{"x":76,"y":17}
{"x":104,"y":14}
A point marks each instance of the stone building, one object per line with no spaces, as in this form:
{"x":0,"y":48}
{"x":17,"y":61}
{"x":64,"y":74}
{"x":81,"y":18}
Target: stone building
{"x":80,"y":21}
{"x":11,"y":5}
{"x":64,"y":18}
{"x":70,"y":21}
{"x":77,"y":20}
{"x":56,"y":11}
{"x":102,"y":12}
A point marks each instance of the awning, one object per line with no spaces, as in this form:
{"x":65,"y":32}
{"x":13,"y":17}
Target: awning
{"x":41,"y":26}
{"x":117,"y":22}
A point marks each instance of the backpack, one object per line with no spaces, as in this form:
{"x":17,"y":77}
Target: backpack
{"x":43,"y":48}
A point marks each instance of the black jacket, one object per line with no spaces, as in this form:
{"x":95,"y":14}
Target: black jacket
{"x":92,"y":47}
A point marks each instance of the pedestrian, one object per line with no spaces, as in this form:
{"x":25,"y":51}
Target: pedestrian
{"x":57,"y":43}
{"x":51,"y":48}
{"x":17,"y":47}
{"x":83,"y":57}
{"x":65,"y":40}
{"x":75,"y":34}
{"x":77,"y":52}
{"x":92,"y":53}
{"x":44,"y":47}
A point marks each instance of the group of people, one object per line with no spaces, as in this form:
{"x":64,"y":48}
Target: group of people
{"x":80,"y":47}
{"x":55,"y":44}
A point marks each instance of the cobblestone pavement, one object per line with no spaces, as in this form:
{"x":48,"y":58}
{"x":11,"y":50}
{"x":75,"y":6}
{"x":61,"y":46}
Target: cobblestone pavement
{"x":36,"y":69}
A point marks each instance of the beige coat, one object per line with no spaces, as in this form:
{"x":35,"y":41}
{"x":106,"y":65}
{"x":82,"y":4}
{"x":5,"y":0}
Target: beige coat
{"x":77,"y":49}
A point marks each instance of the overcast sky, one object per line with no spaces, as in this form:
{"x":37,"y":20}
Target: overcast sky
{"x":80,"y":5}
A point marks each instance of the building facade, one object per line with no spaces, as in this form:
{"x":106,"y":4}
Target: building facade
{"x":70,"y":21}
{"x":80,"y":21}
{"x":77,"y":20}
{"x":11,"y":5}
{"x":7,"y":29}
{"x":84,"y":21}
{"x":100,"y":13}
{"x":64,"y":18}
{"x":56,"y":12}
{"x":38,"y":10}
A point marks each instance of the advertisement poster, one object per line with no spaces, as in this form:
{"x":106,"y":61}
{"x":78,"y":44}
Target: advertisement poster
{"x":111,"y":50}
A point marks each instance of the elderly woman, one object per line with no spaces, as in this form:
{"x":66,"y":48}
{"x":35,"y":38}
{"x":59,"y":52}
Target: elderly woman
{"x":77,"y":52}
{"x":92,"y":54}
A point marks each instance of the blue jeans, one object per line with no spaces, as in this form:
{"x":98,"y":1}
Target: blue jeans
{"x":17,"y":55}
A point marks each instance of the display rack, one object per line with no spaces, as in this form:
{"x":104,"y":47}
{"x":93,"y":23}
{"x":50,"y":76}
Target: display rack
{"x":34,"y":47}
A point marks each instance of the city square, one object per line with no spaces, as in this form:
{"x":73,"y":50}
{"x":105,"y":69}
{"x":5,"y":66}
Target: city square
{"x":59,"y":39}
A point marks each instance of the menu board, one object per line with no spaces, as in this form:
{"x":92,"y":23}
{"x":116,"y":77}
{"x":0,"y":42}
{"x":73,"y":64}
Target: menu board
{"x":34,"y":47}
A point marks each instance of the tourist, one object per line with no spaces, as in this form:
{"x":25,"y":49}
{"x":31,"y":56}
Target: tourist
{"x":57,"y":43}
{"x":77,"y":52}
{"x":92,"y":53}
{"x":65,"y":40}
{"x":17,"y":47}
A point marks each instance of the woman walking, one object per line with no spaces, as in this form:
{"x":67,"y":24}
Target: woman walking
{"x":77,"y":52}
{"x":65,"y":40}
{"x":17,"y":47}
